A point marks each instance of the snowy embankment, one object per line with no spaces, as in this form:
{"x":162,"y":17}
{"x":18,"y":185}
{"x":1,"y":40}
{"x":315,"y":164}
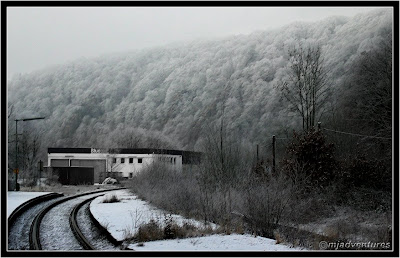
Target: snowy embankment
{"x":14,"y":199}
{"x":233,"y":242}
{"x":122,"y":219}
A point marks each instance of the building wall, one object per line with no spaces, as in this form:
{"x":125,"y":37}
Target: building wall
{"x":99,"y":166}
{"x":127,"y":165}
{"x":59,"y":163}
{"x":75,"y":175}
{"x":131,"y":164}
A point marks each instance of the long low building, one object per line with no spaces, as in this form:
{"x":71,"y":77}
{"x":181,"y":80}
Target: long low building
{"x":91,"y":165}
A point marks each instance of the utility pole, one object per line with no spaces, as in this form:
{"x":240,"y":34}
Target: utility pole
{"x":273,"y":154}
{"x":16,"y":155}
{"x":40,"y":167}
{"x":16,"y":170}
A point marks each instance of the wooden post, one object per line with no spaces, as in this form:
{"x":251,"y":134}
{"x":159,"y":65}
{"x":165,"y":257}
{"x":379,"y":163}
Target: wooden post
{"x":222,"y":146}
{"x":273,"y":154}
{"x":16,"y":156}
{"x":40,"y":167}
{"x":257,"y":154}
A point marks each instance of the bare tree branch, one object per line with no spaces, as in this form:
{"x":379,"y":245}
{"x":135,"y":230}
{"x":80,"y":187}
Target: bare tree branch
{"x":305,"y":87}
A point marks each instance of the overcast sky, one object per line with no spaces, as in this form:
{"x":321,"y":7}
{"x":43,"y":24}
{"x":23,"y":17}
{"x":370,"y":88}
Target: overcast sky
{"x":38,"y":36}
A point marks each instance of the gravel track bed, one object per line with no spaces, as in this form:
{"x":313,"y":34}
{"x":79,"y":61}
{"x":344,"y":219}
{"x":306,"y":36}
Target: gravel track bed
{"x":55,"y":231}
{"x":91,"y":232}
{"x":18,"y":237}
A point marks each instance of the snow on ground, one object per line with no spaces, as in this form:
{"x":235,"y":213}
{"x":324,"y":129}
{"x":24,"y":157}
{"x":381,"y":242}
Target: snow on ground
{"x":232,"y":242}
{"x":14,"y":199}
{"x":123,"y":219}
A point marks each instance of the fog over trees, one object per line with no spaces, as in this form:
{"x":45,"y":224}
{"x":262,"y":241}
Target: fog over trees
{"x":172,"y":95}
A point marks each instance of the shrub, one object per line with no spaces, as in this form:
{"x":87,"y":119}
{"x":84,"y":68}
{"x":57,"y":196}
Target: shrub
{"x":152,"y":231}
{"x":52,"y":180}
{"x":364,"y":184}
{"x":366,"y":199}
{"x":261,"y":172}
{"x":311,"y":159}
{"x":367,"y":173}
{"x":169,"y":189}
{"x":172,"y":230}
{"x":266,"y":203}
{"x":149,"y":232}
{"x":30,"y":183}
{"x":111,"y":199}
{"x":310,"y":208}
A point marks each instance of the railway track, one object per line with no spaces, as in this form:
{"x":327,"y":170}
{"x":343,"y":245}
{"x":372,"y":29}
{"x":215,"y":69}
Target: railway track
{"x":29,"y":204}
{"x":75,"y":227}
{"x":83,"y":243}
{"x":21,"y":218}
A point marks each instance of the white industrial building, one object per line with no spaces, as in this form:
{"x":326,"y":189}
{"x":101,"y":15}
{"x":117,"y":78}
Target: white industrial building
{"x":76,"y":165}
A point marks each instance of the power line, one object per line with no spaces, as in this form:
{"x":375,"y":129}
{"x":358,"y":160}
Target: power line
{"x":356,"y":134}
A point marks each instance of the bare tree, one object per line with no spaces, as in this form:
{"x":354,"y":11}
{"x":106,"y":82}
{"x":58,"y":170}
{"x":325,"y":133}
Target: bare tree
{"x":305,"y":86}
{"x":222,"y":170}
{"x":28,"y":155}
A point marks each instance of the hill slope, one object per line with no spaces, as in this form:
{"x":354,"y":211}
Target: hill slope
{"x":176,"y":94}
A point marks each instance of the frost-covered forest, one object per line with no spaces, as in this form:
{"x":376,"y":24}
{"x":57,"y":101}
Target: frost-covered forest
{"x":172,"y":95}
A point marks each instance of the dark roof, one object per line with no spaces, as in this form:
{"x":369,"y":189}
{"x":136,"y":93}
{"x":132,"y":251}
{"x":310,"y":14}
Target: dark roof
{"x":145,"y":151}
{"x":69,"y":150}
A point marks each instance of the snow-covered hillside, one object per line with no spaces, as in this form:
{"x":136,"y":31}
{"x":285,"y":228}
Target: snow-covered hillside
{"x":174,"y":94}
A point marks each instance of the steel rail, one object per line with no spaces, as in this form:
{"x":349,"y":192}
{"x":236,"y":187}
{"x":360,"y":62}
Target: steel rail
{"x":29,"y":204}
{"x":34,"y":238}
{"x":83,"y":241}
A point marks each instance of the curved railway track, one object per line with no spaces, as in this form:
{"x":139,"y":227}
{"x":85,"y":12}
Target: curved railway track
{"x":21,"y":218}
{"x":29,"y":204}
{"x":75,"y":227}
{"x":34,"y":233}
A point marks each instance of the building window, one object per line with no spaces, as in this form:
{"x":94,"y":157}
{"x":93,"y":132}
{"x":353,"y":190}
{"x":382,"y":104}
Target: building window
{"x":130,"y":160}
{"x":122,"y":160}
{"x":139,"y":160}
{"x":114,"y":160}
{"x":130,"y":175}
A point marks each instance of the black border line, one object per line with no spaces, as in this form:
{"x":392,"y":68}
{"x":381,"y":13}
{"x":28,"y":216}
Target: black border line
{"x":394,"y":4}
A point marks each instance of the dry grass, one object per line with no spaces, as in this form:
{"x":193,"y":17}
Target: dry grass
{"x":277,"y":237}
{"x":149,"y":232}
{"x":153,"y":231}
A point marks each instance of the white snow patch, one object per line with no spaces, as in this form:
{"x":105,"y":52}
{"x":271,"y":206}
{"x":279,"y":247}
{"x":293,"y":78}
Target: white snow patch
{"x":14,"y":199}
{"x":232,"y":242}
{"x":123,"y":219}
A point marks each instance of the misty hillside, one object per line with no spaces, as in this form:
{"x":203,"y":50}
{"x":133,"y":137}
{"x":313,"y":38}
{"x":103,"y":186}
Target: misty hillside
{"x":176,"y":94}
